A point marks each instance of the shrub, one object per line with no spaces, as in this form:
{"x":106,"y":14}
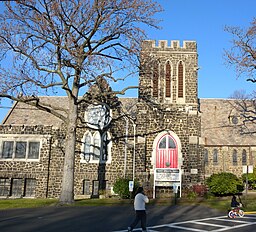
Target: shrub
{"x":191,"y":195}
{"x":224,"y":184}
{"x":251,"y":179}
{"x":121,"y":187}
{"x":199,"y":189}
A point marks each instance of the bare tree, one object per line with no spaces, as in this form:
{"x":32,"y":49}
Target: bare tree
{"x":243,"y":112}
{"x":65,"y":46}
{"x":242,"y":54}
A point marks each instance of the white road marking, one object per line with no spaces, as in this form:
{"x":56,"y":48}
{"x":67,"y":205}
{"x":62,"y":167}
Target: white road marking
{"x":181,"y":225}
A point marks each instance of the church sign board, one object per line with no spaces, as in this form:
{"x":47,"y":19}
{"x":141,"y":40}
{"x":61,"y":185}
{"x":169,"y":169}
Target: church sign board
{"x":167,"y":177}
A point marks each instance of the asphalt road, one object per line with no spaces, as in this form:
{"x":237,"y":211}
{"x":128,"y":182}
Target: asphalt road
{"x":107,"y":218}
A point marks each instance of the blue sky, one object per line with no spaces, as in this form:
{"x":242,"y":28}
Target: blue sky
{"x":203,"y":21}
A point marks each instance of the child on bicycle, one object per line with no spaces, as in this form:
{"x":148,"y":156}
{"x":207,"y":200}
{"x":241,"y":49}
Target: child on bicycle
{"x":234,"y":203}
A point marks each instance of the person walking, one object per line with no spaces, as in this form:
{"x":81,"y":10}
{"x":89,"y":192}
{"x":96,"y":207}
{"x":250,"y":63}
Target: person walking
{"x":140,"y":210}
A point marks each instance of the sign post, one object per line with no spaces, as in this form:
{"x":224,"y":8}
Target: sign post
{"x":167,"y":177}
{"x":130,"y":188}
{"x":247,"y":169}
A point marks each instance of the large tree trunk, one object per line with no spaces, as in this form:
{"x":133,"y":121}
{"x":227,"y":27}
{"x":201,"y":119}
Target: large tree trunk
{"x":67,"y":191}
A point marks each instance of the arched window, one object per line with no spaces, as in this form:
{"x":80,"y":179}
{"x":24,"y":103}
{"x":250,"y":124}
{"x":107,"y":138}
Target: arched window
{"x":96,"y":148}
{"x":155,"y":79}
{"x":206,"y":157}
{"x":168,"y":79}
{"x":87,"y":142}
{"x":215,"y":156}
{"x":180,"y":80}
{"x":244,"y":157}
{"x":234,"y":157}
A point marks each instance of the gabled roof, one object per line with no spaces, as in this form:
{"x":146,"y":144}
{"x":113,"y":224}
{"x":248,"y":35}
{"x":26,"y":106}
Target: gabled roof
{"x":23,"y":114}
{"x":217,"y":127}
{"x":217,"y":124}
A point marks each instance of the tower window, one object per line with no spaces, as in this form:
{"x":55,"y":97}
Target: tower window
{"x":155,"y":80}
{"x":168,"y":80}
{"x":180,"y":80}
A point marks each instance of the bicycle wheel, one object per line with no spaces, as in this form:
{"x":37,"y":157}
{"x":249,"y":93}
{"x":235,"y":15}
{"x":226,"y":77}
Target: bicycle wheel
{"x":241,"y":213}
{"x":231,"y":214}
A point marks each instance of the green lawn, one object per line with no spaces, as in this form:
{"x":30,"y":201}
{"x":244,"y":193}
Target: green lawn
{"x":220,"y":203}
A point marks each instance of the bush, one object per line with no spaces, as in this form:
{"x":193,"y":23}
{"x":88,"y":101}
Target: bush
{"x":251,"y":179}
{"x":121,"y":187}
{"x":199,"y":189}
{"x":224,"y":184}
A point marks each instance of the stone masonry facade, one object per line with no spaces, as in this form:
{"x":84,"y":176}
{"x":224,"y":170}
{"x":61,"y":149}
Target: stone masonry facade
{"x":167,"y":107}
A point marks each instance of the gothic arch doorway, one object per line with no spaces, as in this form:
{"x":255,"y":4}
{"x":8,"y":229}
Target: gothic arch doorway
{"x":167,"y":162}
{"x":167,"y":151}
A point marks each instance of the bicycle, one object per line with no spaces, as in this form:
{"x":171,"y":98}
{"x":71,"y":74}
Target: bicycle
{"x":233,"y":213}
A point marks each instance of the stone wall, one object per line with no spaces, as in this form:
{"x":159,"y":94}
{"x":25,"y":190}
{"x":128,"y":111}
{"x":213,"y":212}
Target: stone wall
{"x":47,"y":171}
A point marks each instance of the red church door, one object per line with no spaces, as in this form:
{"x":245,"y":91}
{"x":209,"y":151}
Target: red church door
{"x":167,"y":152}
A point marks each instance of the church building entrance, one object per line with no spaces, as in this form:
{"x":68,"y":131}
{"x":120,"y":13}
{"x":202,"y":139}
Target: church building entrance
{"x":167,"y":160}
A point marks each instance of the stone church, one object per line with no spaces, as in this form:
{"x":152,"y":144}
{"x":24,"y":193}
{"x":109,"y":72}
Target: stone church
{"x":166,"y":138}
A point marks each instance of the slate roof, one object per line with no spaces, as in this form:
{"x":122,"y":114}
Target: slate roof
{"x":217,"y":127}
{"x":23,"y":114}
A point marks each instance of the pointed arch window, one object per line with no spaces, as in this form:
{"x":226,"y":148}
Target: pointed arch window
{"x":244,"y":157}
{"x":180,"y":80}
{"x":168,"y":79}
{"x":87,"y":143}
{"x":206,"y":157}
{"x":155,"y":79}
{"x":96,"y":147}
{"x":215,"y":156}
{"x":234,"y":157}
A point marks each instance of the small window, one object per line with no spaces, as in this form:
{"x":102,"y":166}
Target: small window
{"x":234,"y":157}
{"x":7,"y":149}
{"x":4,"y":187}
{"x":86,"y":187}
{"x":20,"y":151}
{"x":244,"y":157}
{"x":95,"y":188}
{"x":215,"y":156}
{"x":16,"y":188}
{"x":206,"y":157}
{"x":33,"y":151}
{"x":96,"y":147}
{"x":30,"y":187}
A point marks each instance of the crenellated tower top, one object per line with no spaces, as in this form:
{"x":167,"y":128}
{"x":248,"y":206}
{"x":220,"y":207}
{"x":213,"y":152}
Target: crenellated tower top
{"x":174,"y":45}
{"x":169,"y":72}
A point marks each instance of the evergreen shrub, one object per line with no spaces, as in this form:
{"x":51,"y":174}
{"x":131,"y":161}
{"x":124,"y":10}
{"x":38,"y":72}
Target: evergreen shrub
{"x":224,"y":184}
{"x":121,"y":187}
